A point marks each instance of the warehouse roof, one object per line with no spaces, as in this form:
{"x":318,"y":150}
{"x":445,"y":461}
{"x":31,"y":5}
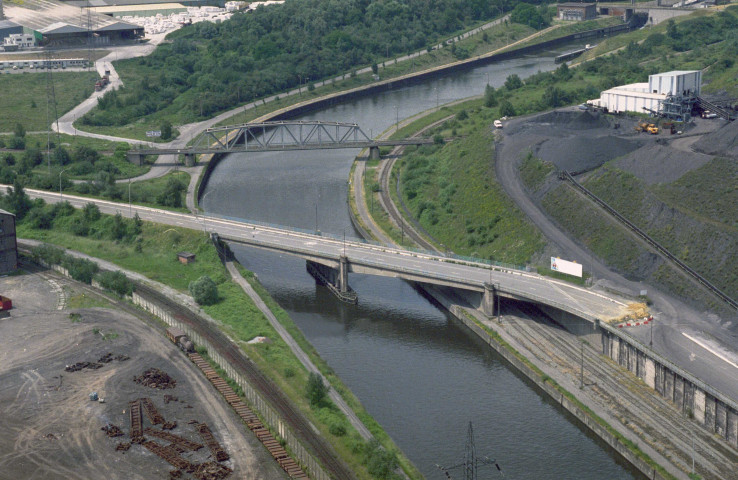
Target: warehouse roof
{"x":47,"y":16}
{"x":574,"y":4}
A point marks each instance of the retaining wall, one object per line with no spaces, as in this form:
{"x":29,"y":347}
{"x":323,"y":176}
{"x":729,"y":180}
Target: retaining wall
{"x":709,"y":407}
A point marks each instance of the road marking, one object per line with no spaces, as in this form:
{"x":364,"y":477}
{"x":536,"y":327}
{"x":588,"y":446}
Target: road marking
{"x":703,"y":345}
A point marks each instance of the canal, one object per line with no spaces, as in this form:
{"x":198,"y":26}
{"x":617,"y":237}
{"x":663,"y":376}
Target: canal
{"x":419,"y":373}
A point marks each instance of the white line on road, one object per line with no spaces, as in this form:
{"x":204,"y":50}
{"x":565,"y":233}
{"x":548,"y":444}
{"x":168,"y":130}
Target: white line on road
{"x":703,"y":345}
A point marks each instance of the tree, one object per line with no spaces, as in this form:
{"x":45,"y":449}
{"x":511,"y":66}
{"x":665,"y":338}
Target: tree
{"x":527,"y":14}
{"x":166,"y":130}
{"x":83,"y":153}
{"x":316,"y":389}
{"x":19,"y":130}
{"x":17,"y":200}
{"x":507,"y":109}
{"x":490,"y":99}
{"x":513,"y":82}
{"x":204,"y":290}
{"x":91,"y":212}
{"x":172,"y":194}
{"x":61,"y":156}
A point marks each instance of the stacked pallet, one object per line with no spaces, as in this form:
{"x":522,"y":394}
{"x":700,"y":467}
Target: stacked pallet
{"x":287,"y":463}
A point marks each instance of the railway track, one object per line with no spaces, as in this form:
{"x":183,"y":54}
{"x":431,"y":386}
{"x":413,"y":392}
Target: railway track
{"x":300,"y":426}
{"x":637,"y":411}
{"x":185,"y":444}
{"x":152,"y":412}
{"x":251,"y":420}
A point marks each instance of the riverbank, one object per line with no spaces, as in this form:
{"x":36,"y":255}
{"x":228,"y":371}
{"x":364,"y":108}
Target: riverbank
{"x":633,"y":426}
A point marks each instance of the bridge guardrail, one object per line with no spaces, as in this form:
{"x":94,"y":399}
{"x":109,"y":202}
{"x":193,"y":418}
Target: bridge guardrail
{"x":332,"y":236}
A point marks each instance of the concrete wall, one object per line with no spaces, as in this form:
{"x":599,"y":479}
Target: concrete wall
{"x":710,"y":408}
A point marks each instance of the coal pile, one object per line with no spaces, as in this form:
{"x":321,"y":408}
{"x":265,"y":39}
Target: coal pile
{"x":723,"y":141}
{"x":155,"y":378}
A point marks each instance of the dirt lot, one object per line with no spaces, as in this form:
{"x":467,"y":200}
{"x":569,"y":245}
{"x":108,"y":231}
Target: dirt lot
{"x":51,"y":429}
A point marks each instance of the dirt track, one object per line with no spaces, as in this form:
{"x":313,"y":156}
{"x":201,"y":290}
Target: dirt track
{"x":50,"y":427}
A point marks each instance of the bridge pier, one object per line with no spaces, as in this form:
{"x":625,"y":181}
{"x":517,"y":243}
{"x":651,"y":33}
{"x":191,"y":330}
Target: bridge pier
{"x":135,"y":158}
{"x":190,"y":159}
{"x":374,"y":153}
{"x":489,"y":298}
{"x":335,"y":279}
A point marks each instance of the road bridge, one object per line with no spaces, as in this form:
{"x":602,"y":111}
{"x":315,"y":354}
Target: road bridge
{"x":479,"y":282}
{"x":277,"y":136}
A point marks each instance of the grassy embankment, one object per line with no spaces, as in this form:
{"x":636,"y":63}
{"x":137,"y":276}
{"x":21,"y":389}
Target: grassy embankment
{"x":436,"y":199}
{"x":24,"y":97}
{"x":154,"y":256}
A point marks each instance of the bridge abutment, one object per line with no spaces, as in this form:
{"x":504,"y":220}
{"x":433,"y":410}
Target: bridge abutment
{"x":135,"y":158}
{"x":190,"y":159}
{"x":335,"y":279}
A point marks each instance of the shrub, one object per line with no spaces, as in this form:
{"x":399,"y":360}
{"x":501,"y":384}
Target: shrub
{"x":316,"y":389}
{"x":80,"y":269}
{"x":204,"y":290}
{"x":48,"y":253}
{"x":116,"y":282}
{"x":380,"y":463}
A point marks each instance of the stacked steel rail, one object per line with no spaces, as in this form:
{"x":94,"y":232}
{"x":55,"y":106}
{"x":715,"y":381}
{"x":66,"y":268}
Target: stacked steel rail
{"x":287,"y":463}
{"x":152,"y":412}
{"x":134,"y":412}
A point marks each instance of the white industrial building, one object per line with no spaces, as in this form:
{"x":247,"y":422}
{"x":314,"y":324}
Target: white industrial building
{"x":19,"y":40}
{"x":644,"y":97}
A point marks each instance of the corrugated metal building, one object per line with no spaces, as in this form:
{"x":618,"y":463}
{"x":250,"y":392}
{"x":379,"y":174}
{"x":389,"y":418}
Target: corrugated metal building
{"x":642,"y":97}
{"x":8,"y":244}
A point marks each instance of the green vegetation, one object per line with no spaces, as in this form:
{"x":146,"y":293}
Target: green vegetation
{"x":452,"y":191}
{"x":204,"y":290}
{"x":533,"y":171}
{"x":116,"y":282}
{"x":24,"y":97}
{"x":210,"y":67}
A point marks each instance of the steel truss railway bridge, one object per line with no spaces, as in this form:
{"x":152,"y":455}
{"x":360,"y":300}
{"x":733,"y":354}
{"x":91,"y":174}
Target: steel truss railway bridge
{"x":277,"y":136}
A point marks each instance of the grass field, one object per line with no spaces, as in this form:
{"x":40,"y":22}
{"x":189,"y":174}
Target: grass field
{"x":24,"y":97}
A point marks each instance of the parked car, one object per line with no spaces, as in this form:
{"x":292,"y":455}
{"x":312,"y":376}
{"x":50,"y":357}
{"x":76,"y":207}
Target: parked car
{"x":497,"y":124}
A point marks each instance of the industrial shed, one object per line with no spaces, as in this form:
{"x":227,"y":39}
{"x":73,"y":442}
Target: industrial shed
{"x":8,"y":244}
{"x":662,"y":90}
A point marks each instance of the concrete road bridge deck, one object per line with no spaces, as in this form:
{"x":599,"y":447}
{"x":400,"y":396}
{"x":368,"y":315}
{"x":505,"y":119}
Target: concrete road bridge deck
{"x":282,"y":135}
{"x":335,"y":258}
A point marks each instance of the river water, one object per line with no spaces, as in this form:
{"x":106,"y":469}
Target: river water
{"x":419,"y":373}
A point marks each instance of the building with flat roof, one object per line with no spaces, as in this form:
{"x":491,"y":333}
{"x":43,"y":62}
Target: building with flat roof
{"x":670,"y":94}
{"x":8,"y":245}
{"x":576,"y":11}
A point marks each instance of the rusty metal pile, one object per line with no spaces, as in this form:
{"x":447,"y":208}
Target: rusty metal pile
{"x":81,"y":366}
{"x":287,"y":463}
{"x":108,"y":357}
{"x":177,"y":445}
{"x":155,"y":378}
{"x":112,"y":430}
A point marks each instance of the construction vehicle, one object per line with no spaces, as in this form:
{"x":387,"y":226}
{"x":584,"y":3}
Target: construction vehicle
{"x":652,"y":129}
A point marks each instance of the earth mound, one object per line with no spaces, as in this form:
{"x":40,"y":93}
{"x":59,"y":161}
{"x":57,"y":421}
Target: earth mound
{"x":655,"y":163}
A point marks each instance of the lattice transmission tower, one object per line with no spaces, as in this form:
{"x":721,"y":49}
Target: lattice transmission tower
{"x":470,"y":466}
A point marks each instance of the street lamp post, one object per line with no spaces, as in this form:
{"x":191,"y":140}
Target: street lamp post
{"x":130,"y":208}
{"x":60,"y":183}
